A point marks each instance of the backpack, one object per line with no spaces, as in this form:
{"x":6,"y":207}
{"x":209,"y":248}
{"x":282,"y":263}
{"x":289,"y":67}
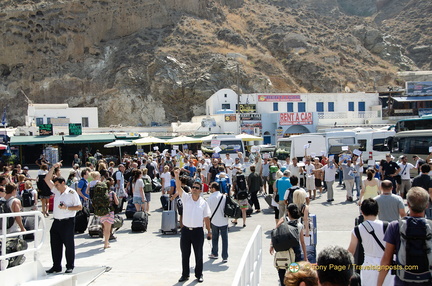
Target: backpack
{"x":242,"y":195}
{"x":147,"y":185}
{"x":232,"y":208}
{"x":241,"y":182}
{"x":223,"y":185}
{"x":27,"y":198}
{"x":273,"y":173}
{"x":101,"y":202}
{"x":415,"y":249}
{"x":285,"y":236}
{"x":291,"y":194}
{"x":4,"y":208}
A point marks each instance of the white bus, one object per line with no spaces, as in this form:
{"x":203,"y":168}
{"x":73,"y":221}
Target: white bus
{"x":410,"y":143}
{"x":227,"y":143}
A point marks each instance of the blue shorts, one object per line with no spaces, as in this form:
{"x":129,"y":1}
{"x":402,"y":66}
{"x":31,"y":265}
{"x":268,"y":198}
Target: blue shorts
{"x":147,"y":196}
{"x":137,"y":200}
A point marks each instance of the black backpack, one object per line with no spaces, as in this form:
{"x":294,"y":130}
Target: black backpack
{"x":415,"y":249}
{"x":241,"y":182}
{"x":285,"y":236}
{"x":5,"y":209}
{"x":291,"y":194}
{"x":27,"y":198}
{"x":232,"y":208}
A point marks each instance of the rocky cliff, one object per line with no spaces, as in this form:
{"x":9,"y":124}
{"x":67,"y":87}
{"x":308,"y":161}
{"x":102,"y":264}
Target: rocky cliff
{"x":143,"y":61}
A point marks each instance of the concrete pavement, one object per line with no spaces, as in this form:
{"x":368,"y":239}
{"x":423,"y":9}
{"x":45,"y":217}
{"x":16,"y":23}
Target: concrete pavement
{"x":151,"y":258}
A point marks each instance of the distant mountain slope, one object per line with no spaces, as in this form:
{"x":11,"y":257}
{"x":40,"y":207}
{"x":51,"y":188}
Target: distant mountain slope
{"x":158,"y":61}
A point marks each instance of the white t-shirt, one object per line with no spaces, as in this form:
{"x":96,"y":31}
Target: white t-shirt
{"x":219,"y":218}
{"x":405,"y":170}
{"x":137,"y":186}
{"x":295,"y":170}
{"x":329,"y":172}
{"x":167,"y":179}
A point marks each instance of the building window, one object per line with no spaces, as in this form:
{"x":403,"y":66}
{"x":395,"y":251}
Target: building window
{"x":361,"y":106}
{"x":320,"y":106}
{"x":331,"y":106}
{"x":290,"y":107}
{"x":350,"y":106}
{"x":85,"y":122}
{"x":301,"y":107}
{"x":39,"y":121}
{"x":275,"y":106}
{"x":49,"y":120}
{"x":226,"y":106}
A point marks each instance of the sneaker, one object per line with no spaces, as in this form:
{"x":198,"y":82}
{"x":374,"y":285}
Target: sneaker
{"x":211,"y":256}
{"x":225,"y":261}
{"x":69,"y":270}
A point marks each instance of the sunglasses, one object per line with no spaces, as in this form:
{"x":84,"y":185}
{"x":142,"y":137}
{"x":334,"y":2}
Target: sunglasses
{"x":195,"y":187}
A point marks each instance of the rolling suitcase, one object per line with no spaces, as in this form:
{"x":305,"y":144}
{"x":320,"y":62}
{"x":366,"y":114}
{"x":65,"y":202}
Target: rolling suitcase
{"x":130,"y":209}
{"x":81,"y":220}
{"x":268,"y":199}
{"x":51,"y":204}
{"x":169,"y":220}
{"x":164,"y":202}
{"x":139,"y":222}
{"x":95,"y":227}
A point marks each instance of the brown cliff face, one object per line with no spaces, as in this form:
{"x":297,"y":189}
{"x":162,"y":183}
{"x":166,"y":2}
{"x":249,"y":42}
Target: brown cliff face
{"x":158,"y":61}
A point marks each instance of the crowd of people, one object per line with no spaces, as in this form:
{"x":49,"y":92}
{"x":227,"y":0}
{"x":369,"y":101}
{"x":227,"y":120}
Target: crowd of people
{"x":288,"y":188}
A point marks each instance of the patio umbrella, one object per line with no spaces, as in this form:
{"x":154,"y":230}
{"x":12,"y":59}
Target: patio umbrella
{"x":183,"y":140}
{"x":119,"y":144}
{"x":148,"y":141}
{"x":248,"y":137}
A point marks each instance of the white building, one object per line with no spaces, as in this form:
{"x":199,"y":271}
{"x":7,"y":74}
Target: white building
{"x":61,"y":115}
{"x":280,"y":114}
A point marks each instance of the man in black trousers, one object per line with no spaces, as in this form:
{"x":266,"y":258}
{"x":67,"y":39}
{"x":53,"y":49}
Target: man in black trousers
{"x":254,"y":183}
{"x":196,"y":212}
{"x":66,"y":204}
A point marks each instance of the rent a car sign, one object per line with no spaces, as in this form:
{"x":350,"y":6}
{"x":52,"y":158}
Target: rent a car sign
{"x":296,"y":118}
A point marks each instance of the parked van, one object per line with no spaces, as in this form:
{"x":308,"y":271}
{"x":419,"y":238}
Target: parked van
{"x":373,"y":144}
{"x":227,"y":143}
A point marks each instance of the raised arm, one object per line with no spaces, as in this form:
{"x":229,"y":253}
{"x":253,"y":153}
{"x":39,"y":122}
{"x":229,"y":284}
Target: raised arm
{"x":179,"y":189}
{"x":48,"y":177}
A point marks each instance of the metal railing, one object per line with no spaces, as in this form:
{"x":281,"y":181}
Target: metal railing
{"x":33,"y":247}
{"x":249,"y":271}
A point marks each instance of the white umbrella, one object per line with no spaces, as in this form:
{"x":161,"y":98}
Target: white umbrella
{"x":119,"y":144}
{"x":183,"y":140}
{"x":248,"y":137}
{"x":148,"y":141}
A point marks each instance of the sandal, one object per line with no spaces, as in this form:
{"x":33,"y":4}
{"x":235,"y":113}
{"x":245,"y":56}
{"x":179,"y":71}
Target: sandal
{"x":233,"y":222}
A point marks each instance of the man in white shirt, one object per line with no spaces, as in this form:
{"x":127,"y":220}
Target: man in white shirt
{"x":195,"y":212}
{"x":246,"y":167}
{"x":219,"y":223}
{"x":228,"y":161}
{"x":329,"y":177}
{"x":405,"y":168}
{"x":66,"y":204}
{"x":310,"y":178}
